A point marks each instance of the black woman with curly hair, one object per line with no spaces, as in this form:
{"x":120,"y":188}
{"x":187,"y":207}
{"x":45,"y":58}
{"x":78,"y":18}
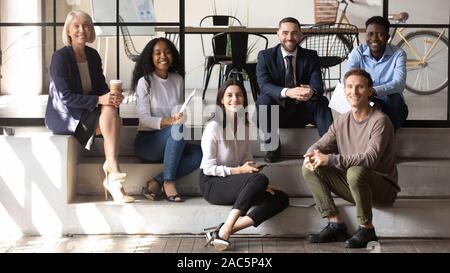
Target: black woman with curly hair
{"x":158,"y":83}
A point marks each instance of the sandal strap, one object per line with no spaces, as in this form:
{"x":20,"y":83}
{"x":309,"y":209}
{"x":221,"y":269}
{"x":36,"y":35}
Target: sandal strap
{"x":217,"y":237}
{"x":173,"y":198}
{"x":148,"y":194}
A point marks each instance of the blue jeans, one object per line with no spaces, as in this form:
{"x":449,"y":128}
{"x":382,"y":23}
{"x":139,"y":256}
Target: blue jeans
{"x":179,"y":158}
{"x":394,"y":107}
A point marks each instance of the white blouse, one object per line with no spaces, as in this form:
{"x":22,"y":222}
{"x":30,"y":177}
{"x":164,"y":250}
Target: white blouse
{"x":220,"y":154}
{"x":159,"y":101}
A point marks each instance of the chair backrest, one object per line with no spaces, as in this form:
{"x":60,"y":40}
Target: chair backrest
{"x":333,"y":42}
{"x":240,"y":45}
{"x":217,"y":20}
{"x":130,"y":50}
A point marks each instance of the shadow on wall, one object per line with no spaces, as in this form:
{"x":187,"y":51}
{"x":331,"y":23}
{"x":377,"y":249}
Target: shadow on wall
{"x":34,"y":191}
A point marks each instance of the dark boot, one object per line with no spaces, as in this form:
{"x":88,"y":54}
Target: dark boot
{"x":333,"y":232}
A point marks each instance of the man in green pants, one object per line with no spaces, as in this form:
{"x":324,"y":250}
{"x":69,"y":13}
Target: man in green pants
{"x":355,"y":160}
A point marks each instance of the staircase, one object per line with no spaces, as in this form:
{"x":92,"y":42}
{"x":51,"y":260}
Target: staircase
{"x":50,"y":186}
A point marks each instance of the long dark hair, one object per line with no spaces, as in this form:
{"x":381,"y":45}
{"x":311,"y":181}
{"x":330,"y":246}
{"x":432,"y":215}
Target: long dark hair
{"x":144,"y":66}
{"x":221,"y":93}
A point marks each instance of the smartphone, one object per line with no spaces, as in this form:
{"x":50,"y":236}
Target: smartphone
{"x":260,"y":167}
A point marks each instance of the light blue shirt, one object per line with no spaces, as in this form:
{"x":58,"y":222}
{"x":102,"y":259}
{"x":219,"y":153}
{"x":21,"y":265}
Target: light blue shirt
{"x":388,"y":73}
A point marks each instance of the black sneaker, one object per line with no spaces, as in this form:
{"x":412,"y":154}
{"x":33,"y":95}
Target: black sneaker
{"x":333,"y":232}
{"x":361,"y":238}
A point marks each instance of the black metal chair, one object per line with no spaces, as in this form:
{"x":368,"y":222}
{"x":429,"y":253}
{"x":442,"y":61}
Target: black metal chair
{"x":174,"y":38}
{"x":128,"y":44}
{"x":242,"y":46}
{"x":210,"y":60}
{"x":333,"y":43}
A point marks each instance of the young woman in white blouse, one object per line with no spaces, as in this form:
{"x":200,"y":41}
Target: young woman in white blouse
{"x":228,"y":175}
{"x":158,"y":84}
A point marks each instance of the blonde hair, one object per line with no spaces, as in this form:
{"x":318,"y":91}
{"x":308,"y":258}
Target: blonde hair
{"x":67,"y":41}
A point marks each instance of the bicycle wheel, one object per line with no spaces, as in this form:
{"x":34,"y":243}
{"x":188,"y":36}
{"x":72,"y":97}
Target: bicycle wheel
{"x":428,"y":76}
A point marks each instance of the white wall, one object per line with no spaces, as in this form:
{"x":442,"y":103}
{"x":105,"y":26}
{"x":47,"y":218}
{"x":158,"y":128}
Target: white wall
{"x":21,"y":49}
{"x":37,"y":177}
{"x":255,"y":13}
{"x":423,"y":12}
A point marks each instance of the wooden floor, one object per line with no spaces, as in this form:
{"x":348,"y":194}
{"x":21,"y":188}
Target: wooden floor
{"x":194,"y":244}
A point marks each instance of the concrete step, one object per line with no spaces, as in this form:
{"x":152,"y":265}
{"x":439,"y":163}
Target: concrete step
{"x":407,"y":218}
{"x":417,"y":178}
{"x":290,"y":144}
{"x":424,"y":177}
{"x":411,"y":142}
{"x":40,"y":175}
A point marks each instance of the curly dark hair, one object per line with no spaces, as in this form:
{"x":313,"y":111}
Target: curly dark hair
{"x":144,"y":66}
{"x":378,"y":20}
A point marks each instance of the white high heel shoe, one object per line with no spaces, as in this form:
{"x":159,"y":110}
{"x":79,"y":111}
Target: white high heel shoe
{"x":107,"y":170}
{"x":113,"y":184}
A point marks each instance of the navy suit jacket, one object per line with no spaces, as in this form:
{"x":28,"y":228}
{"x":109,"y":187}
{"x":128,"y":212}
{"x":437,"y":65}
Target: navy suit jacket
{"x":66,"y":100}
{"x":271,"y":71}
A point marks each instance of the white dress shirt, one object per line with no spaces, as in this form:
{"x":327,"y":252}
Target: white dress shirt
{"x":221,"y":153}
{"x":284,"y":53}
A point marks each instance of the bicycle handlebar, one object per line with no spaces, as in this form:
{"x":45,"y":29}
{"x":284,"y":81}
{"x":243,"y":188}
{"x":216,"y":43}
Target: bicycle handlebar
{"x":345,"y":3}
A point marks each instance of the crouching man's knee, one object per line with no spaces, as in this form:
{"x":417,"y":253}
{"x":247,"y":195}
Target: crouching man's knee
{"x":357,"y":175}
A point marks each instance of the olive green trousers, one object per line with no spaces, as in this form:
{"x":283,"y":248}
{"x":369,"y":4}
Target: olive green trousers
{"x":357,"y":185}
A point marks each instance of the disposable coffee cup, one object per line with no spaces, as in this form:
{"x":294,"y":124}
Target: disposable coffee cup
{"x":115,"y":86}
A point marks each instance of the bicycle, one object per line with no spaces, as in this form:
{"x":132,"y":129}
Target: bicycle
{"x":339,"y":45}
{"x":426,"y":50}
{"x":425,"y":57}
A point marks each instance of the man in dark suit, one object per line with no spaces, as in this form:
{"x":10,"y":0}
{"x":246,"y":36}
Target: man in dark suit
{"x":289,"y":77}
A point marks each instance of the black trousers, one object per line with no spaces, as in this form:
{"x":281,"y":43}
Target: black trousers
{"x":243,"y":191}
{"x":395,"y":108}
{"x":297,"y":115}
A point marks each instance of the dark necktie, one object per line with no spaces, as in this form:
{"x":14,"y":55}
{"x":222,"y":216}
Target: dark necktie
{"x":289,"y":81}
